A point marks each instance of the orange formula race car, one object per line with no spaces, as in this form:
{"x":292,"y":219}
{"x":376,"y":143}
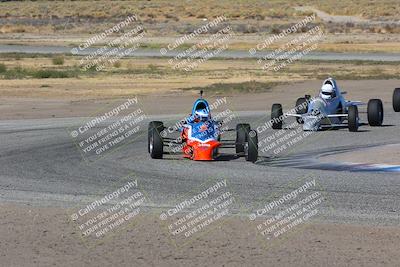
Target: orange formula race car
{"x":200,"y":137}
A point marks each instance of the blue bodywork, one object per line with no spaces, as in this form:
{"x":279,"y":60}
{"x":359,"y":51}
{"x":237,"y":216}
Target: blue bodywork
{"x":201,"y":131}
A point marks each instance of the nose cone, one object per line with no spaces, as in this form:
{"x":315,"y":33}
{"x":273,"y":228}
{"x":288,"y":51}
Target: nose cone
{"x":311,"y":123}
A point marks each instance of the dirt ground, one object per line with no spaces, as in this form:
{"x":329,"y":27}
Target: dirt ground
{"x":32,"y":236}
{"x":179,"y":102}
{"x":351,"y":26}
{"x":349,"y":42}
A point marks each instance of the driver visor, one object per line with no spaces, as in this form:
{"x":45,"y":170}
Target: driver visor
{"x":327,"y":93}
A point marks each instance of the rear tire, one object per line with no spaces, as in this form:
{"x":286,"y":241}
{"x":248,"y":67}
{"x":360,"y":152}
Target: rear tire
{"x":252,"y":146}
{"x":276,"y":116}
{"x":375,"y":112}
{"x":353,"y":118}
{"x":396,"y":100}
{"x":155,"y":142}
{"x":301,"y":108}
{"x":242,"y":129}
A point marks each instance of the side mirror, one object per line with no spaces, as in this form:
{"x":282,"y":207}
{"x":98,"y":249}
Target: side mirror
{"x":343,"y":93}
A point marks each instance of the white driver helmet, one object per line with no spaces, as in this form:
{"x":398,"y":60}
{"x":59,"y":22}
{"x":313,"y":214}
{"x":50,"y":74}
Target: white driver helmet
{"x":327,"y":91}
{"x":202,"y":114}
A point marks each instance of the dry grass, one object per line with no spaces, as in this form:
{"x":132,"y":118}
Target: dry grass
{"x":160,"y":9}
{"x":362,"y":8}
{"x":178,"y":16}
{"x":332,"y":46}
{"x":71,"y":22}
{"x":148,"y":76}
{"x":254,"y":18}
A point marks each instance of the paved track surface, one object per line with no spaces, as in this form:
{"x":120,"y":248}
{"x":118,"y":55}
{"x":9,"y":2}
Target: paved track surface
{"x":40,"y":164}
{"x":224,"y":54}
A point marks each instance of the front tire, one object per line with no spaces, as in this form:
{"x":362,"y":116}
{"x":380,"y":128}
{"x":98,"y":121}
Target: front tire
{"x":153,"y":125}
{"x":353,"y":118}
{"x":156,"y":143}
{"x":396,"y":100}
{"x":242,"y":129}
{"x":252,"y":147}
{"x":375,"y":112}
{"x":276,"y":116}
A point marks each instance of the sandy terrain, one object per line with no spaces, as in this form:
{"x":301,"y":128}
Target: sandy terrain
{"x":332,"y":18}
{"x":32,"y":236}
{"x":349,"y":42}
{"x":64,"y":103}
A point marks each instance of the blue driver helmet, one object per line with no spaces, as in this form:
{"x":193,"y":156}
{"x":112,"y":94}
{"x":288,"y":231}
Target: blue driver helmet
{"x":201,"y":110}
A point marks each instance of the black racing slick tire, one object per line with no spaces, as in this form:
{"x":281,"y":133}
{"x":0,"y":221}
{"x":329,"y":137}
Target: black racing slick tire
{"x":155,"y":142}
{"x":375,"y":112}
{"x":153,"y":125}
{"x":301,"y":108}
{"x":396,"y":100}
{"x":276,"y":116}
{"x":252,"y":147}
{"x":242,"y":129}
{"x":353,"y":118}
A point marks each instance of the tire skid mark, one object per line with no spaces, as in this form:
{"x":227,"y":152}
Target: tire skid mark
{"x":309,"y":160}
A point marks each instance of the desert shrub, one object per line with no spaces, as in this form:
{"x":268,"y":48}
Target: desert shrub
{"x":117,"y":64}
{"x":58,"y":60}
{"x":45,"y":74}
{"x":16,"y":73}
{"x":3,"y":68}
{"x":275,"y":30}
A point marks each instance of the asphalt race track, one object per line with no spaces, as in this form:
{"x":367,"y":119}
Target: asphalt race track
{"x":41,"y":165}
{"x":225,"y":54}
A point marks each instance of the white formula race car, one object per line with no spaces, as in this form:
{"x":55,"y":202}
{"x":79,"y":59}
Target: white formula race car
{"x":328,"y":110}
